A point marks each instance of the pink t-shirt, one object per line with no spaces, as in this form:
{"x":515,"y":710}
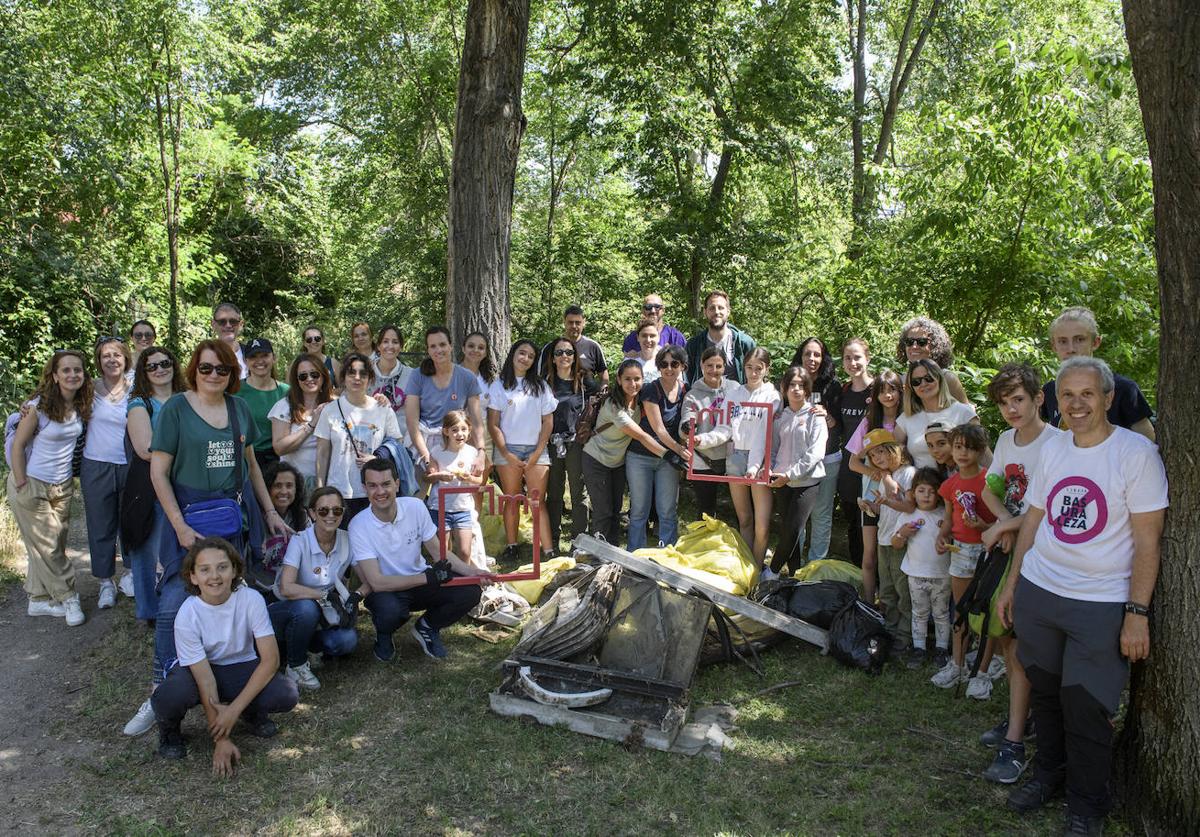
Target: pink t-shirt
{"x":855,"y":445}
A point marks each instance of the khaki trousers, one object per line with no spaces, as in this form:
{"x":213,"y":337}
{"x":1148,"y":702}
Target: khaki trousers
{"x":42,"y":512}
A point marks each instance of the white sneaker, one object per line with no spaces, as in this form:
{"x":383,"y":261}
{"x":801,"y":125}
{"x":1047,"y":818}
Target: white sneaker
{"x":303,"y":677}
{"x":143,"y":720}
{"x":74,"y":611}
{"x":997,"y":669}
{"x":125,"y":585}
{"x":108,"y":594}
{"x":979,"y":687}
{"x":949,"y":676}
{"x":45,"y":607}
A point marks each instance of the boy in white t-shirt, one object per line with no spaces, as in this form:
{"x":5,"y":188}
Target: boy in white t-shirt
{"x":928,"y":570}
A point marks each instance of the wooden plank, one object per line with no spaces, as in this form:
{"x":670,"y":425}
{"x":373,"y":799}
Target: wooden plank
{"x":686,"y":584}
{"x":588,"y":722}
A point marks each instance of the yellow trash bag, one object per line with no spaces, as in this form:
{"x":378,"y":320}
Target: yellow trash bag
{"x":494,"y":539}
{"x":531,"y":590}
{"x":715,"y":549}
{"x":830,"y":569}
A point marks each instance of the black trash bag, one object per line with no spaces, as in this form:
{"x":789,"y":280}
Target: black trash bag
{"x":815,"y":602}
{"x":859,"y":637}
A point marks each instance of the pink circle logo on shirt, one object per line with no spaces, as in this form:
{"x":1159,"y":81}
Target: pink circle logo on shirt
{"x":1067,"y":509}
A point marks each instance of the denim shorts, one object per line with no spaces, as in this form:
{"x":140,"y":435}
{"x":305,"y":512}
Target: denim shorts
{"x":464,"y":519}
{"x":962,"y":563}
{"x":524,"y":451}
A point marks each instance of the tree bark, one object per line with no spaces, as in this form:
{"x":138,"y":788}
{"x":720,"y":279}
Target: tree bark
{"x":1160,"y":745}
{"x":487,"y":138}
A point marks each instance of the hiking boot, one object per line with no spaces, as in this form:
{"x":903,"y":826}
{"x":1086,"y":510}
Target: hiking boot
{"x":142,"y":720}
{"x":303,"y":677}
{"x":429,"y":639}
{"x":1008,"y":765}
{"x":979,"y":687}
{"x":941,"y":656}
{"x":385,"y":649}
{"x":74,"y":611}
{"x":914,"y":657}
{"x":170,"y":743}
{"x":949,"y":676}
{"x":108,"y":594}
{"x":995,"y":736}
{"x":1081,"y":824}
{"x":125,"y":586}
{"x":45,"y":607}
{"x":1033,"y":795}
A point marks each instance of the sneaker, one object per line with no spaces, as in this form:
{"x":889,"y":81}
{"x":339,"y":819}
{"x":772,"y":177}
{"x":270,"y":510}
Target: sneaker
{"x":1033,"y":795}
{"x":385,"y":649}
{"x":949,"y":676}
{"x":1084,"y":825}
{"x":995,"y":736}
{"x":108,"y":594}
{"x":511,"y":554}
{"x":429,"y":639}
{"x":125,"y":586}
{"x":914,"y":657}
{"x":74,"y":611}
{"x":46,"y":607}
{"x":941,"y":656}
{"x":263,"y":727}
{"x":142,"y":721}
{"x":996,"y":670}
{"x":303,"y":677}
{"x":979,"y":687}
{"x":170,"y":743}
{"x":1009,"y":763}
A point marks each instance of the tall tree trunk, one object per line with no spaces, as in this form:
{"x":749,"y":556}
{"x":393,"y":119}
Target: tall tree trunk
{"x":1160,"y":747}
{"x":168,"y":116}
{"x":856,"y":19}
{"x":487,"y":138}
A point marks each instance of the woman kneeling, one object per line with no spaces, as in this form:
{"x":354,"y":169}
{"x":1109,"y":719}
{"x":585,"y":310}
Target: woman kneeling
{"x":227,"y":658}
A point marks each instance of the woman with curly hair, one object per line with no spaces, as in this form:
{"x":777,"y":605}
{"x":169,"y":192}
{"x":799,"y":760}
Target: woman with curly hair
{"x":924,"y":339}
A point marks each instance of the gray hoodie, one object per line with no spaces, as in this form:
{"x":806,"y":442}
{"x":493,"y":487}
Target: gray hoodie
{"x":798,"y":446}
{"x":712,"y":435}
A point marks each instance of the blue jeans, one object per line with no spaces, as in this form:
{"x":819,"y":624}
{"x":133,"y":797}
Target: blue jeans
{"x":297,"y":624}
{"x":142,"y":562}
{"x":651,"y":478}
{"x":443,"y":606}
{"x":822,"y":515}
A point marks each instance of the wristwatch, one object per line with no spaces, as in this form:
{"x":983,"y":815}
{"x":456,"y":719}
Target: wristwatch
{"x":1137,"y":609}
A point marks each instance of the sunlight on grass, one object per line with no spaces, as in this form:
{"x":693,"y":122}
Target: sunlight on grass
{"x":12,"y":549}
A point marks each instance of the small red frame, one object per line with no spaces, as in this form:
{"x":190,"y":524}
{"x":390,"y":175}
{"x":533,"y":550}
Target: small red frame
{"x":723,"y":415}
{"x":533,"y":503}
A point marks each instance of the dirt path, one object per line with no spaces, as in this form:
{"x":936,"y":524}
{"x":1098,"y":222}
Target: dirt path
{"x":44,"y":682}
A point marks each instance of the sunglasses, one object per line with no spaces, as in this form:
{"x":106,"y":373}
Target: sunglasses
{"x":160,"y":364}
{"x":564,"y":353}
{"x":143,"y":335}
{"x":110,"y":339}
{"x":336,"y":511}
{"x":228,"y":322}
{"x":923,"y":380}
{"x":916,"y":341}
{"x":308,"y":376}
{"x":671,"y":364}
{"x":314,"y":338}
{"x":356,"y":372}
{"x":652,"y":307}
{"x":220,"y":369}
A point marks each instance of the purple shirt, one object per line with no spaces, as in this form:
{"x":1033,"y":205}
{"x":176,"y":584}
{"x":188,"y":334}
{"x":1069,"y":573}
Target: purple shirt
{"x":668,"y":336}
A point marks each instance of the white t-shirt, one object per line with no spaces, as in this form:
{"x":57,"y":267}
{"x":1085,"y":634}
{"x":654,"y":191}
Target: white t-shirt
{"x":750,"y":426}
{"x":362,"y":429}
{"x":447,"y":460}
{"x":1015,"y":464}
{"x":396,"y":545}
{"x":106,"y":430}
{"x":315,"y":568}
{"x":521,"y":412}
{"x":914,"y":428}
{"x":223,"y":634}
{"x":1083,"y":548}
{"x":303,"y":458}
{"x":921,"y":557}
{"x":53,"y":446}
{"x":889,"y":518}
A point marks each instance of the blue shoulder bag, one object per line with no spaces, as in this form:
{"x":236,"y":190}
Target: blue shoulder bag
{"x":221,"y":517}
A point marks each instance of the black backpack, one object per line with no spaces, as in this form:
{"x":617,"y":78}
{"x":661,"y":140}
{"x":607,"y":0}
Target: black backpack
{"x":976,"y":607}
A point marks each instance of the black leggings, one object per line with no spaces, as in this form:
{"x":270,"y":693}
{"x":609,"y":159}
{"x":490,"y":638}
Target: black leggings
{"x":849,"y":488}
{"x":797,"y":504}
{"x":706,"y":492}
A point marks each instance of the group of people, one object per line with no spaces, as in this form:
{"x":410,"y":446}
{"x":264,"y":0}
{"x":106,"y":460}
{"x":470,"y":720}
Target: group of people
{"x":292,"y":482}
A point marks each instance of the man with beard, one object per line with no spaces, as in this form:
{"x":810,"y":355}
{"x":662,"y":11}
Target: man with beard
{"x":733,"y":343}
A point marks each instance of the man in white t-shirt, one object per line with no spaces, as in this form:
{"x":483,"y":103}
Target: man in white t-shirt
{"x":1082,"y":577}
{"x":386,"y":541}
{"x":227,"y":325}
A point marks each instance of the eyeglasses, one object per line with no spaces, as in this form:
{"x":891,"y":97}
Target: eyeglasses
{"x":143,"y":335}
{"x":356,"y":372}
{"x":228,"y":322}
{"x":220,"y":369}
{"x":564,"y":353}
{"x":671,"y":364}
{"x":325,"y":511}
{"x":308,"y":376}
{"x":161,"y":364}
{"x":650,"y":306}
{"x":923,"y":380}
{"x":916,"y":341}
{"x":314,"y":338}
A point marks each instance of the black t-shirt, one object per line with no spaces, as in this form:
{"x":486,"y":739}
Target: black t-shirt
{"x":570,"y":404}
{"x":1129,"y":406}
{"x":653,"y":393}
{"x":854,"y":409}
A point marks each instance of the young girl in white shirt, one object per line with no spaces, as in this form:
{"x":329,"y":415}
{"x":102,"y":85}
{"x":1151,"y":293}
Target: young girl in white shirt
{"x":748,"y":456}
{"x":450,"y":467}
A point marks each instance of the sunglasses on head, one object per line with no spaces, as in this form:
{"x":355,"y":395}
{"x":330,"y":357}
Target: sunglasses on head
{"x":111,"y":338}
{"x":564,"y":353}
{"x":325,"y":511}
{"x":314,"y":338}
{"x":160,"y":364}
{"x":922,"y":342}
{"x":143,"y":335}
{"x":923,"y":380}
{"x":308,"y":376}
{"x":228,"y":322}
{"x":357,"y":372}
{"x":220,"y":369}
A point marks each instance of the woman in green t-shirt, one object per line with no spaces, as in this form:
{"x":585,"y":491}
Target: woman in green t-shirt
{"x":261,"y":391}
